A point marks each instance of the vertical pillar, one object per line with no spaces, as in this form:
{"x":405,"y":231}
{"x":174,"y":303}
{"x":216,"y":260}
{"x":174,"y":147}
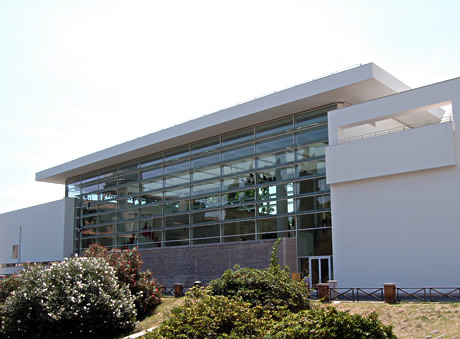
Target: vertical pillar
{"x":178,"y":290}
{"x":389,"y":293}
{"x":323,"y":291}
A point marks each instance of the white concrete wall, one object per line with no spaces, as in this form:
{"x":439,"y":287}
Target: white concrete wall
{"x":401,"y":227}
{"x":46,"y":233}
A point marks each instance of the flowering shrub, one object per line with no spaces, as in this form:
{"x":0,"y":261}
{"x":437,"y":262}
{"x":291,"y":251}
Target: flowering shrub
{"x":127,"y":265}
{"x":7,"y":286}
{"x":79,"y":297}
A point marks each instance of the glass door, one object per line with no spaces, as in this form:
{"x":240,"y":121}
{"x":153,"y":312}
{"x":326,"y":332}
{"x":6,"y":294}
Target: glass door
{"x":318,"y":269}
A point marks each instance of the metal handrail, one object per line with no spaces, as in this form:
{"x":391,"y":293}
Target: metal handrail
{"x":394,"y":130}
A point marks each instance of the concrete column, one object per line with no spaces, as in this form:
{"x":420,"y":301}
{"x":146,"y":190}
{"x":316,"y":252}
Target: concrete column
{"x":389,"y":293}
{"x":178,"y":290}
{"x":323,"y":291}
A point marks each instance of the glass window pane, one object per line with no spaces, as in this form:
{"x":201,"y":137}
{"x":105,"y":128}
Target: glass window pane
{"x":107,"y":206}
{"x":275,"y":191}
{"x":108,"y":173}
{"x":177,"y":179}
{"x":312,"y":118}
{"x":240,"y":212}
{"x":317,"y":149}
{"x":128,"y":190}
{"x":237,"y":228}
{"x":176,"y":167}
{"x":108,"y":217}
{"x":238,"y":137}
{"x":312,"y":185}
{"x":106,"y":229}
{"x":239,"y":166}
{"x":108,"y":183}
{"x":314,"y":220}
{"x":128,"y":166}
{"x":314,"y":242}
{"x":238,"y":152}
{"x":128,"y":202}
{"x":206,"y":145}
{"x":274,"y":159}
{"x":314,"y":203}
{"x":206,"y":188}
{"x":108,"y":195}
{"x":274,"y":127}
{"x":273,"y":144}
{"x":206,"y":202}
{"x":89,"y":177}
{"x":128,"y":227}
{"x":311,"y":135}
{"x":238,"y":197}
{"x":73,"y":188}
{"x":175,"y":207}
{"x":205,"y":217}
{"x":87,"y":232}
{"x":89,"y":187}
{"x":150,"y":198}
{"x":206,"y":231}
{"x":151,"y":160}
{"x":311,"y":168}
{"x":107,"y":241}
{"x":127,"y":178}
{"x":278,"y":174}
{"x":177,"y":153}
{"x":127,"y":240}
{"x":276,"y":224}
{"x":176,"y":220}
{"x":205,"y":173}
{"x":276,"y":207}
{"x":151,"y":211}
{"x":152,"y":223}
{"x":238,"y":182}
{"x":128,"y":215}
{"x":177,"y":237}
{"x":151,"y":185}
{"x":177,"y":193}
{"x":150,"y":236}
{"x":206,"y":160}
{"x":152,"y":173}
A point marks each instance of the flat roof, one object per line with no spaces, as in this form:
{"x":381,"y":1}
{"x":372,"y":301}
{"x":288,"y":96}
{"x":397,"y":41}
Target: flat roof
{"x":353,"y":86}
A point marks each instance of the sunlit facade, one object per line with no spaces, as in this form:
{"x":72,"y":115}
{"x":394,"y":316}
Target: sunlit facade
{"x":261,"y":182}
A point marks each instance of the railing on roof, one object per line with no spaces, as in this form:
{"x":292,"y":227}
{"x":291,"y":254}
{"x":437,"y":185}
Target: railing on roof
{"x":394,"y":130}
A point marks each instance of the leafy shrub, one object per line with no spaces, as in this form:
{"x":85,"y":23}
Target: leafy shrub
{"x":272,"y":288}
{"x":7,"y":286}
{"x":211,"y":317}
{"x":328,"y":323}
{"x":127,"y":264}
{"x":79,"y":297}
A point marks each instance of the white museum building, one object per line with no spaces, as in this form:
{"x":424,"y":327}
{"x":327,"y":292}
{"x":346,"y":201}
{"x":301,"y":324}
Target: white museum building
{"x":355,"y":171}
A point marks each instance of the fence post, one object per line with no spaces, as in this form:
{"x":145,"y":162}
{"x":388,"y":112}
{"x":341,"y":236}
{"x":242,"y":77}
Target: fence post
{"x":334,"y":284}
{"x":178,"y":290}
{"x":323,"y":291}
{"x":389,"y":293}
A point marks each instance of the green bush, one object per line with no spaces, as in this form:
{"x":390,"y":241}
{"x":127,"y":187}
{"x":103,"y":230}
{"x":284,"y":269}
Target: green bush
{"x":7,"y":286}
{"x":272,"y":288}
{"x":79,"y":297}
{"x":211,"y":317}
{"x":127,"y":264}
{"x":328,"y":323}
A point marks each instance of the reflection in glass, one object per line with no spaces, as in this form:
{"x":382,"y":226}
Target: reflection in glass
{"x":151,"y":160}
{"x":273,"y":144}
{"x":312,"y":185}
{"x":238,"y":166}
{"x":177,"y":153}
{"x":128,"y":190}
{"x":275,"y":207}
{"x":177,"y":179}
{"x":152,"y":173}
{"x":313,"y":118}
{"x":175,"y":207}
{"x":314,"y":242}
{"x":208,"y":231}
{"x":275,"y":175}
{"x":150,"y":198}
{"x":240,"y":212}
{"x":206,"y":188}
{"x":177,"y":237}
{"x":311,"y":151}
{"x":275,"y":159}
{"x":275,"y":191}
{"x":238,"y":152}
{"x":238,"y":137}
{"x":151,"y":211}
{"x":176,"y":220}
{"x":238,"y":197}
{"x":238,"y":182}
{"x":311,"y":168}
{"x":274,"y":127}
{"x":205,"y":216}
{"x":206,"y":145}
{"x":127,"y":227}
{"x":205,"y":173}
{"x":314,"y":220}
{"x":206,"y":202}
{"x":152,"y":185}
{"x":314,"y":203}
{"x":311,"y":135}
{"x":177,"y":193}
{"x":176,"y":167}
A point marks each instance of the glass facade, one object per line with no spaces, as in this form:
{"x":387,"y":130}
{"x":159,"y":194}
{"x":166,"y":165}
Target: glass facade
{"x":262,"y":182}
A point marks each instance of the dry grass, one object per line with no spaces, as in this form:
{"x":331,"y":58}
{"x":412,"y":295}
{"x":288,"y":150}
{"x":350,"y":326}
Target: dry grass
{"x":161,"y":313}
{"x":413,"y":320}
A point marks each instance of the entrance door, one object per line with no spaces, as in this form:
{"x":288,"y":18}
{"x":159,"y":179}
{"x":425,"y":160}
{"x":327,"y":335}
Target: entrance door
{"x":319,"y":269}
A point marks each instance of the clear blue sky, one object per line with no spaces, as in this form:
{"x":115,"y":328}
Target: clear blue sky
{"x":80,"y":76}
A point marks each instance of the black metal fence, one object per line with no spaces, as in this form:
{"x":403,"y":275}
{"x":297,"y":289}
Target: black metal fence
{"x":424,"y":294}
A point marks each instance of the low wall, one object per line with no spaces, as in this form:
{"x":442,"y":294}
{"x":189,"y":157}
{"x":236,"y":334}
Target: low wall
{"x":186,"y":264}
